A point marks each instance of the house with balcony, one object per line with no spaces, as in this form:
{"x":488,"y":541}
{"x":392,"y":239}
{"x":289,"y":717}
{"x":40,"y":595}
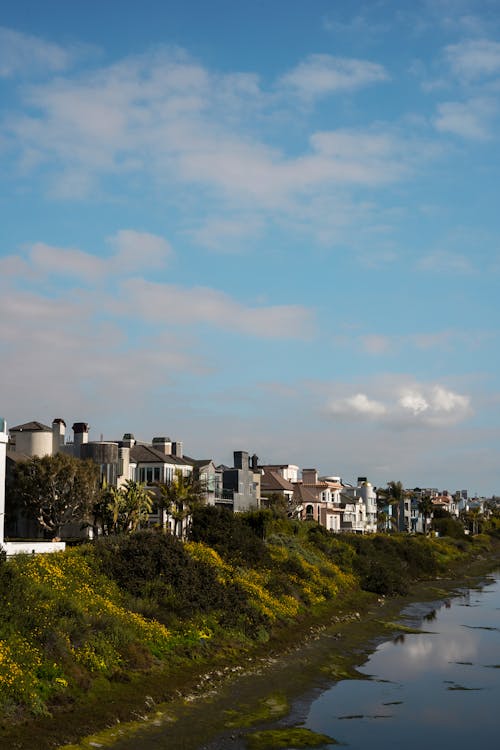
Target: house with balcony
{"x":241,"y":483}
{"x":337,"y":506}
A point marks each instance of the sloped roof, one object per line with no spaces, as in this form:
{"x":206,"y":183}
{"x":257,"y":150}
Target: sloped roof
{"x":199,"y":462}
{"x":31,"y":427}
{"x":306,"y":493}
{"x":146,"y":454}
{"x":271,"y":481}
{"x":17,"y":457}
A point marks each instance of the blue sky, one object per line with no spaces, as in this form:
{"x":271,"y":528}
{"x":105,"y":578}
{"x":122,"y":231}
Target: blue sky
{"x":257,"y":226}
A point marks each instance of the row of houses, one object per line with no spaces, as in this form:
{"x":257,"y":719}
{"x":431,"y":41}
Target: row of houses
{"x":247,"y":485}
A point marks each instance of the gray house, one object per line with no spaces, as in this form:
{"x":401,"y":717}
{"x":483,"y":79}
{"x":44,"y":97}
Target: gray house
{"x":242,"y":482}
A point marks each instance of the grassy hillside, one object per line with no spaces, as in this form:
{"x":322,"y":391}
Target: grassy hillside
{"x":95,"y":615}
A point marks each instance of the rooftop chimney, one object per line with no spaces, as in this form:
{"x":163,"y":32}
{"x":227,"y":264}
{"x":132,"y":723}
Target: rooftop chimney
{"x":241,"y":460}
{"x":58,"y":433}
{"x":128,"y":440}
{"x":310,"y":476}
{"x":177,"y":449}
{"x":164,"y":445}
{"x":81,"y":436}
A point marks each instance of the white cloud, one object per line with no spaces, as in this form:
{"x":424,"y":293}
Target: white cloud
{"x":23,"y":53}
{"x":357,"y":405}
{"x":414,"y":402}
{"x":404,"y":405}
{"x":226,"y":235}
{"x":474,"y":58}
{"x":443,"y":261}
{"x":470,"y":119}
{"x":137,"y":251}
{"x":320,"y":75}
{"x":65,"y":261}
{"x":186,"y":306}
{"x":133,"y":252}
{"x":446,"y":401}
{"x":165,"y":117}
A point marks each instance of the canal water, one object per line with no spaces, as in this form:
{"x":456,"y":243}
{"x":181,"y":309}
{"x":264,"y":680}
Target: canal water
{"x":438,"y":688}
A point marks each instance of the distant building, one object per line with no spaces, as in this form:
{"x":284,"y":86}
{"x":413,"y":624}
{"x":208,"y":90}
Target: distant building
{"x":241,"y":483}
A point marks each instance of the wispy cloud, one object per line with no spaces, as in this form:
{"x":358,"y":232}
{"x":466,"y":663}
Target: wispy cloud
{"x":85,"y":323}
{"x":164,"y":115}
{"x":444,"y":261}
{"x":227,"y":235}
{"x":133,"y":252}
{"x":321,"y":75}
{"x":133,"y":296}
{"x":183,"y":306}
{"x":23,"y":53}
{"x":470,"y":119}
{"x":473,"y":59}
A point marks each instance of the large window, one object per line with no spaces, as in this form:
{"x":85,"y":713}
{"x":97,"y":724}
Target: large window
{"x":150,"y":474}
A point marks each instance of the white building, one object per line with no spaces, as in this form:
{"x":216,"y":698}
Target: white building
{"x":29,"y":547}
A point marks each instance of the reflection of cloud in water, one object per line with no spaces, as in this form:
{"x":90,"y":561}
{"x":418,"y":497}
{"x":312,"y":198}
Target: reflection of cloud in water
{"x":424,"y":653}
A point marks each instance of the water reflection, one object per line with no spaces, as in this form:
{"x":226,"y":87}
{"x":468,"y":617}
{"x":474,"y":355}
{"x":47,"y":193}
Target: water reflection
{"x":432,"y":688}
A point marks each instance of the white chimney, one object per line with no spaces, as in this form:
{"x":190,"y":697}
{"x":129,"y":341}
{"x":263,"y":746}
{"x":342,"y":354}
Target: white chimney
{"x":58,"y":433}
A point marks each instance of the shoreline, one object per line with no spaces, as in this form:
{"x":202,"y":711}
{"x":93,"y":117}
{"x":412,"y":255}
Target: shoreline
{"x":198,"y":697}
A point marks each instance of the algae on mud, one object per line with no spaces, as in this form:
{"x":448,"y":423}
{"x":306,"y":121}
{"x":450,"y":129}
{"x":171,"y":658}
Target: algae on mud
{"x":287,"y":739}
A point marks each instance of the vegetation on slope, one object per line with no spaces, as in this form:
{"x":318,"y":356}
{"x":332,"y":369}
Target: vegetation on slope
{"x":128,"y":604}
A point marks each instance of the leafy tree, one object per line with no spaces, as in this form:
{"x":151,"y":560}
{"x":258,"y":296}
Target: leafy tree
{"x":276,"y":502}
{"x":425,"y":508}
{"x":179,"y":498}
{"x":474,"y":520}
{"x":446,"y":525}
{"x":395,"y":495}
{"x":55,"y":490}
{"x":122,"y":510}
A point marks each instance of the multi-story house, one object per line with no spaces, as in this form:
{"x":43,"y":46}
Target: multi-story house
{"x":241,"y":483}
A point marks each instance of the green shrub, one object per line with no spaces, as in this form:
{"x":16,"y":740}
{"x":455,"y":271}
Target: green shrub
{"x":448,"y":526}
{"x":238,"y":538}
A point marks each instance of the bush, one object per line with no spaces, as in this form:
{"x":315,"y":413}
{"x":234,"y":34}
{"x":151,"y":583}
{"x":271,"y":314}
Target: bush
{"x":338,"y":551}
{"x":448,"y":526}
{"x":387,"y":564}
{"x":165,"y":582}
{"x":238,"y":538}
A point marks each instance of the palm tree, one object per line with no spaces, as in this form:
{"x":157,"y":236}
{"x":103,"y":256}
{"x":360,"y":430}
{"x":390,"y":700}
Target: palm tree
{"x":425,"y":507}
{"x":178,"y":499}
{"x":395,"y":494}
{"x":122,"y":510}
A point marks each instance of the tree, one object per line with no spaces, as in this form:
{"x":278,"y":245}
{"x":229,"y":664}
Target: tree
{"x":425,"y":508}
{"x":277,"y":502}
{"x":122,"y":510}
{"x":394,"y":495}
{"x":55,"y":490}
{"x":179,"y":498}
